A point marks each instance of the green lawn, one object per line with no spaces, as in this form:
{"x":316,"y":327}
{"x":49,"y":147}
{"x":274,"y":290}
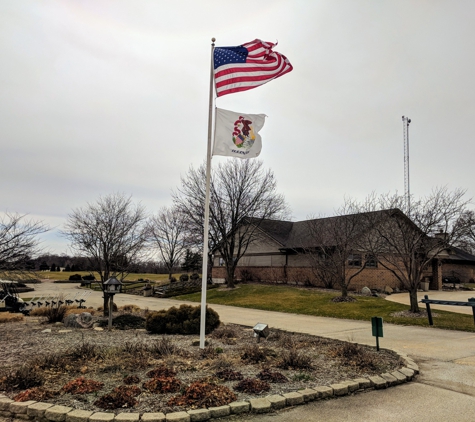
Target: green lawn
{"x":318,"y":303}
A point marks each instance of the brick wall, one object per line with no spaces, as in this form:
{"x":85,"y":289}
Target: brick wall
{"x":463,"y":272}
{"x":374,"y":278}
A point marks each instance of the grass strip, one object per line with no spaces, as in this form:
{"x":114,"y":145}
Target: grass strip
{"x":317,"y":303}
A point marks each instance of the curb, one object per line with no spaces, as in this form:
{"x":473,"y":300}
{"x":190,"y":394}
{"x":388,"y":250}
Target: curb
{"x":46,"y":412}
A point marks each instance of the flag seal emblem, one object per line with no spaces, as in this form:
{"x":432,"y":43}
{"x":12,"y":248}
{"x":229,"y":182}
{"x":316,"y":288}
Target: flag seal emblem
{"x":243,"y":134}
{"x":237,"y":134}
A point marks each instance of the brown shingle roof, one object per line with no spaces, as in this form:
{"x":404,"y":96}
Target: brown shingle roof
{"x":296,"y":235}
{"x":457,"y":254}
{"x":276,"y":229}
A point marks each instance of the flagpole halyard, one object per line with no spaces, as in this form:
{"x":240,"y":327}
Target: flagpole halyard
{"x":204,"y":276}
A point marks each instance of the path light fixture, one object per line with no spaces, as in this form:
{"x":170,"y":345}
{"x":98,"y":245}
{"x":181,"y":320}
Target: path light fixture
{"x":111,"y":287}
{"x":261,"y":331}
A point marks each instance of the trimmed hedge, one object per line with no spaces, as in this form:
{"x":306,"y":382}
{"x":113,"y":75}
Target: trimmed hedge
{"x":124,"y":322}
{"x":182,"y":320}
{"x":179,"y":291}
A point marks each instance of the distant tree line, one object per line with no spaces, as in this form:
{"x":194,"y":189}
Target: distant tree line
{"x":67,"y":263}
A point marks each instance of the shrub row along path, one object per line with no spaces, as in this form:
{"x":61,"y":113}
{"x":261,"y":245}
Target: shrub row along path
{"x":444,"y":391}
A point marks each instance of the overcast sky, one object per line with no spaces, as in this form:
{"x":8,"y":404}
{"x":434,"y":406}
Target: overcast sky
{"x":98,"y":97}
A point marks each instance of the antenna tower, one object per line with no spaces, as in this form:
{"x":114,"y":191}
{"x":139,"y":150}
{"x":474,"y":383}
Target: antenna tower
{"x":407,"y":192}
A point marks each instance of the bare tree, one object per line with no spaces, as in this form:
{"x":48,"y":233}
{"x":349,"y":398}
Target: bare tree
{"x":189,"y":200}
{"x":168,"y":232}
{"x":406,"y":241}
{"x":19,"y":244}
{"x":334,"y":247}
{"x":242,"y":195}
{"x":467,"y":242}
{"x":111,"y":233}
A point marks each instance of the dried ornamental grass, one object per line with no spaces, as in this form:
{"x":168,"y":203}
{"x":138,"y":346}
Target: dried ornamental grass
{"x":36,"y":394}
{"x":131,"y":379}
{"x":131,"y":308}
{"x":253,"y":386}
{"x":162,"y":385}
{"x":275,"y":377}
{"x":229,"y":375}
{"x":161,"y":372}
{"x":202,"y":394}
{"x":121,"y":397}
{"x":8,"y":317}
{"x":78,"y":311}
{"x":82,"y":385}
{"x":23,"y":378}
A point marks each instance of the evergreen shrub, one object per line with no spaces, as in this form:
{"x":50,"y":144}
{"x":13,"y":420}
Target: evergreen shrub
{"x":182,"y":320}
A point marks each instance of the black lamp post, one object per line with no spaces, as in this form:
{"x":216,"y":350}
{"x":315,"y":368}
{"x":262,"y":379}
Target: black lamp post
{"x":111,"y":287}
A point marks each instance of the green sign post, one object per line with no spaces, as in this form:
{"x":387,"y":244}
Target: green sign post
{"x":377,"y":326}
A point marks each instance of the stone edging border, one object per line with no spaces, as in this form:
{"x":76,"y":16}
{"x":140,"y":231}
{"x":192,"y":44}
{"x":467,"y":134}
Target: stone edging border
{"x":46,"y":412}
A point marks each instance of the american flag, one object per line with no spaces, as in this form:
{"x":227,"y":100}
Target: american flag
{"x":247,"y":66}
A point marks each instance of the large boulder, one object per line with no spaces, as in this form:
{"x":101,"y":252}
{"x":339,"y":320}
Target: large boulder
{"x":83,"y":320}
{"x":388,"y":290}
{"x":366,"y":291}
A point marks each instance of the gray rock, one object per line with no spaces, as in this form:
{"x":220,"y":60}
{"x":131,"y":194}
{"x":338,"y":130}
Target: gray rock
{"x":83,"y":320}
{"x":366,"y":291}
{"x":70,"y":320}
{"x":86,"y":318}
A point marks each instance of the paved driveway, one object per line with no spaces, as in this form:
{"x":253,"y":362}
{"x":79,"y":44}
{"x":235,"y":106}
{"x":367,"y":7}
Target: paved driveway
{"x":462,"y":296}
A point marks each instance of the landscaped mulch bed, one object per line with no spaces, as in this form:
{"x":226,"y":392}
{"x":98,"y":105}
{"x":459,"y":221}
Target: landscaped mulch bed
{"x":122,"y":366}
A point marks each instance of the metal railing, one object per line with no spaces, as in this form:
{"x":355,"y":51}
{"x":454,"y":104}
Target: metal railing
{"x":428,"y":302}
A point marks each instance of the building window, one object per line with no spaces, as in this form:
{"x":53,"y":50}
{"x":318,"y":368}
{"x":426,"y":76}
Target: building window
{"x":371,"y":261}
{"x":221,"y":262}
{"x":354,"y":260}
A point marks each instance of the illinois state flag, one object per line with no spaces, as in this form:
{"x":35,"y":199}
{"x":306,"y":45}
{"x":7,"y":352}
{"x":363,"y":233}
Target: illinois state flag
{"x":247,"y":66}
{"x":237,"y":134}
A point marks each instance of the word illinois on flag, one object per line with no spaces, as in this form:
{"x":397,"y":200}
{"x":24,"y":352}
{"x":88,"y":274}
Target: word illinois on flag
{"x":237,"y":134}
{"x":247,"y":66}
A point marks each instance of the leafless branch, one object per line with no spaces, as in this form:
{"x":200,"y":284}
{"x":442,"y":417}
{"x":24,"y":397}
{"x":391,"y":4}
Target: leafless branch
{"x":19,"y":243}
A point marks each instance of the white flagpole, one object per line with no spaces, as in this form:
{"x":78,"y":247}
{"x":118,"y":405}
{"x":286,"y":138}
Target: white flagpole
{"x":204,"y":276}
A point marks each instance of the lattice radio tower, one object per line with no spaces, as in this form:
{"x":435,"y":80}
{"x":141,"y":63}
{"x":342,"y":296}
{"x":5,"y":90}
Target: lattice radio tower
{"x":407,"y":190}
